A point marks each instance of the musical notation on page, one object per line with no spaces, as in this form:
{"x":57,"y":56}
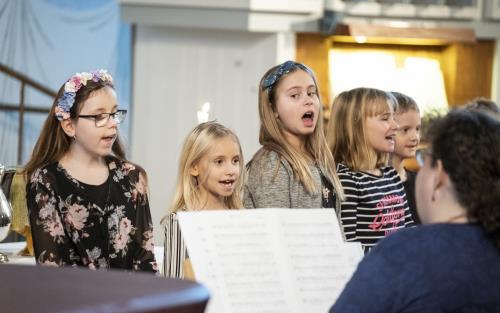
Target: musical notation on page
{"x":272,"y":260}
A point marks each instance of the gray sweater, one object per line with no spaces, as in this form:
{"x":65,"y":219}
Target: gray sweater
{"x":261,"y":191}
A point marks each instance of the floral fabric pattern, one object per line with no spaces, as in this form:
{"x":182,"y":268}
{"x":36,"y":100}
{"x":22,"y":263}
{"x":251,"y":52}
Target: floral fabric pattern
{"x":99,"y":227}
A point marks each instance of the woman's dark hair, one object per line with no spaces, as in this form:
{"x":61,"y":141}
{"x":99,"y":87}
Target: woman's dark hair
{"x":468,"y":144}
{"x":484,"y":105}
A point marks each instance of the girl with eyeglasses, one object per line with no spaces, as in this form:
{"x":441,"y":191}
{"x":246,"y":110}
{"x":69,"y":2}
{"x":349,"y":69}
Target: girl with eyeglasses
{"x":88,"y":206}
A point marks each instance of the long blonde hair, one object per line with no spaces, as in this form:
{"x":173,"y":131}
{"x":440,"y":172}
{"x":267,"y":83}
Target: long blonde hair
{"x":272,"y":137}
{"x":53,"y":143}
{"x":197,"y":144}
{"x":346,"y":133}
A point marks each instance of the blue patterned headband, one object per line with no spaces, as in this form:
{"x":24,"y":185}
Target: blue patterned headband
{"x":282,"y":69}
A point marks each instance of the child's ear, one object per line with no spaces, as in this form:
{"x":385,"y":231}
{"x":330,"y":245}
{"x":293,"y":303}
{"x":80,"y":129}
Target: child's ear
{"x":68,"y":127}
{"x":441,"y":180}
{"x":194,"y":170}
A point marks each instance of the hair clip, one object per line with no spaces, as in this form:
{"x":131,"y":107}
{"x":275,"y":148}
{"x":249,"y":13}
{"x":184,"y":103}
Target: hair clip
{"x":283,"y":69}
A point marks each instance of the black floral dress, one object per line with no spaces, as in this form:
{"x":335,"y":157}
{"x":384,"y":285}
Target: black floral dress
{"x":99,"y":227}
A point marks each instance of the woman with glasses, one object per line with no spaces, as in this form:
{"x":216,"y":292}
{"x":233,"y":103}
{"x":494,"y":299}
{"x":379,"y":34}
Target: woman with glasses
{"x":452,"y":264}
{"x":88,"y":206}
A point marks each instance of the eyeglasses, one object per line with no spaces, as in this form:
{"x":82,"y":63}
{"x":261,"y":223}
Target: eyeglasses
{"x":102,"y":119}
{"x":421,"y":154}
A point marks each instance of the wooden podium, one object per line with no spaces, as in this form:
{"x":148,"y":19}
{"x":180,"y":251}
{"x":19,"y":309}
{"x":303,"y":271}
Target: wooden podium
{"x":42,"y":289}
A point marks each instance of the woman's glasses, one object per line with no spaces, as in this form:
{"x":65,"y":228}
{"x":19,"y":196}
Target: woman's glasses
{"x":102,"y":119}
{"x":421,"y":154}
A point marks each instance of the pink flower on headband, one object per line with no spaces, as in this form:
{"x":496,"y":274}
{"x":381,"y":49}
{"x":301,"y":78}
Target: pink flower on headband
{"x":66,"y":101}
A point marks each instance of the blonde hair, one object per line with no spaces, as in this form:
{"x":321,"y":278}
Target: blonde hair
{"x":346,"y":133}
{"x":197,"y":144}
{"x":272,"y":137}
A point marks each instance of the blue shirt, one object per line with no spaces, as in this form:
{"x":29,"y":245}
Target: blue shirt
{"x":433,"y":268}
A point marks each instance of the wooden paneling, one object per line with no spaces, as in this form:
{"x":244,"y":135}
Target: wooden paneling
{"x":435,"y":34}
{"x":468,"y":71}
{"x":467,"y":67}
{"x":312,"y":50}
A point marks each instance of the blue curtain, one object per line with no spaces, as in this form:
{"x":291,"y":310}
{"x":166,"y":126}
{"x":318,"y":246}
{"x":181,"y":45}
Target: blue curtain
{"x":49,"y":41}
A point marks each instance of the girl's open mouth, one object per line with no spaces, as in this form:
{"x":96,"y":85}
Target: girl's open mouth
{"x":308,"y":119}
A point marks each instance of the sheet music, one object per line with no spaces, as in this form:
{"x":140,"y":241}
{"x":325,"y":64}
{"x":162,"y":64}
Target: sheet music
{"x":269,"y":260}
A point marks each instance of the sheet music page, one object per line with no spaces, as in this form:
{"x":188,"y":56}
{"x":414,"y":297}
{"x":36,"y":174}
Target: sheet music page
{"x":269,"y":260}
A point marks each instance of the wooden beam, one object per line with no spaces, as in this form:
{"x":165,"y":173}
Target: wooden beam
{"x":429,"y":35}
{"x":30,"y":82}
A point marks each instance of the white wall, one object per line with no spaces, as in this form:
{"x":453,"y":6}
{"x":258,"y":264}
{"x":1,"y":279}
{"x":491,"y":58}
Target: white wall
{"x":175,"y":72}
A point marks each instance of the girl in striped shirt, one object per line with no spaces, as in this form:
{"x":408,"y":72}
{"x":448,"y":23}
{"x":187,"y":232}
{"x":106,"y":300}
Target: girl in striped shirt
{"x":361,"y":133}
{"x":210,"y":178}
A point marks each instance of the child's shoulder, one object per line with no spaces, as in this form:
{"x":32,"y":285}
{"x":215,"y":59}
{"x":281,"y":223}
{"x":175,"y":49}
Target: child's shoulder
{"x":349,"y":176}
{"x":342,"y":168}
{"x":267,"y":162}
{"x":127,"y":168}
{"x":345,"y":172}
{"x":265,"y":157}
{"x":45,"y":173}
{"x":171,"y":217}
{"x":389,"y":171}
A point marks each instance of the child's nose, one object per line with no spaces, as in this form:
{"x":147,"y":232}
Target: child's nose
{"x":394,"y":125}
{"x":111,"y":122}
{"x":415,"y":135}
{"x":309,"y":100}
{"x":232,"y":169}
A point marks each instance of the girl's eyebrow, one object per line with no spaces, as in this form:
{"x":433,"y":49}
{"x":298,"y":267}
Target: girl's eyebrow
{"x":222,"y":156}
{"x":101,"y":109}
{"x":293,"y":87}
{"x":300,"y":87}
{"x":97,"y":110}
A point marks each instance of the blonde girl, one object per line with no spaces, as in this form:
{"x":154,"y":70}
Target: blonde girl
{"x":88,"y":206}
{"x":210,"y":178}
{"x":361,"y":135}
{"x":294,"y":168}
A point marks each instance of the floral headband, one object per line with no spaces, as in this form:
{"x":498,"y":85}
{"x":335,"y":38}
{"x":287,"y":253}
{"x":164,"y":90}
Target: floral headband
{"x":282,"y":69}
{"x":66,"y":101}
